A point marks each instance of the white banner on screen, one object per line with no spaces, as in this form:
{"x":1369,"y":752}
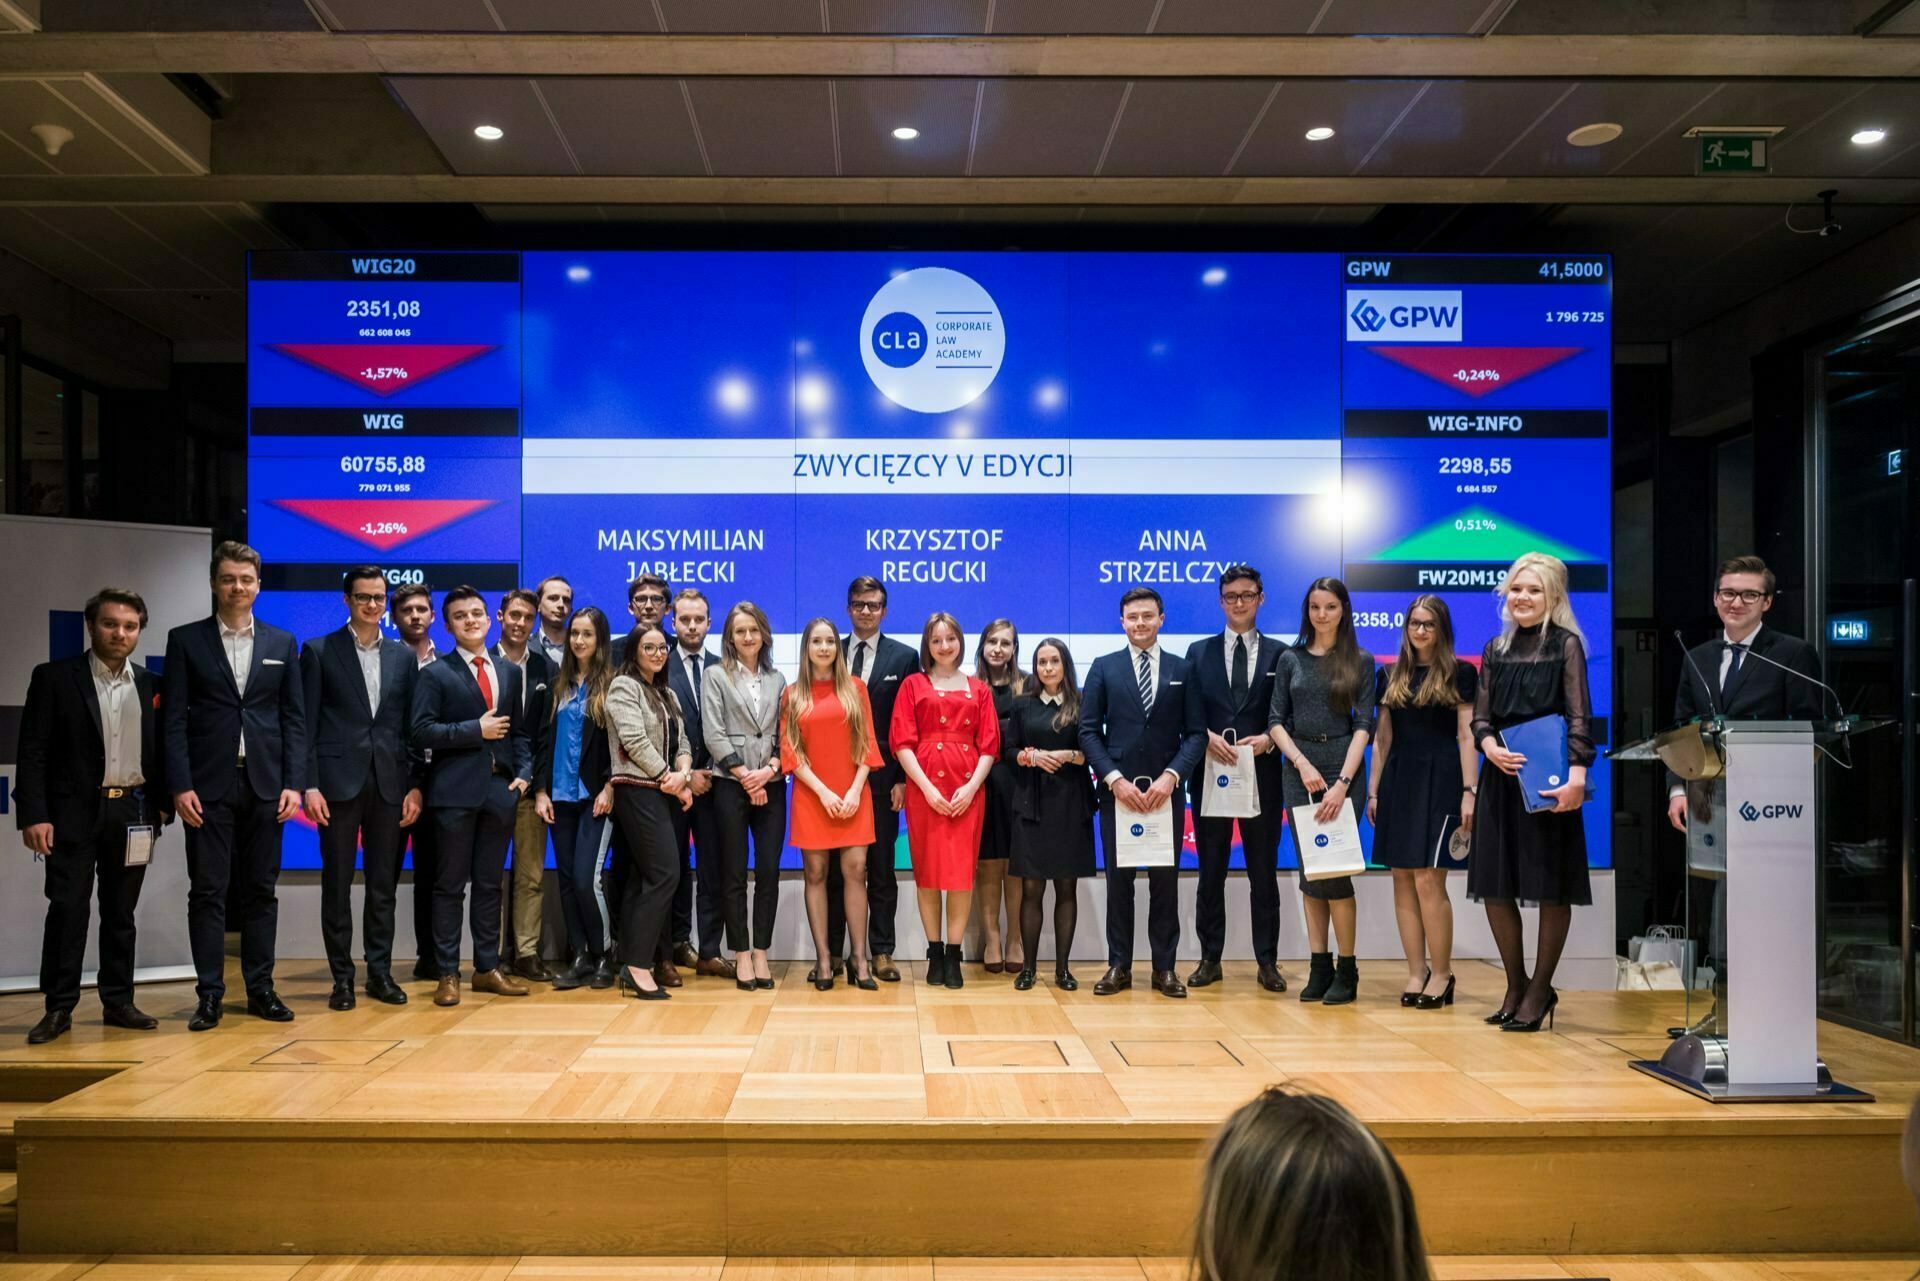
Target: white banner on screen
{"x":50,"y":568}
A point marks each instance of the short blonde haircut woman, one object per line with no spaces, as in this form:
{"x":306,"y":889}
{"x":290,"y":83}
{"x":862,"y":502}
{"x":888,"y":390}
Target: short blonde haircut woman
{"x":1295,"y":1189}
{"x":1552,"y":573}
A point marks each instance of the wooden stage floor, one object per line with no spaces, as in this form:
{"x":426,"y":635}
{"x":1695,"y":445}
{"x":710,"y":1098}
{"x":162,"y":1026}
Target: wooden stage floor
{"x":1003,"y":1121}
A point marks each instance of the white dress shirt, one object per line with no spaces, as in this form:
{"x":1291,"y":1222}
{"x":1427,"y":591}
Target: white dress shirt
{"x":1133,"y":675}
{"x":493,"y":672}
{"x":369,"y":656}
{"x":1726,"y":652}
{"x":238,"y":642}
{"x":1253,"y":651}
{"x":119,"y":722}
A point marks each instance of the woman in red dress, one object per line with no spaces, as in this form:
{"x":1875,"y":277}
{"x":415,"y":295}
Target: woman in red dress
{"x":828,"y":743}
{"x":946,"y":737}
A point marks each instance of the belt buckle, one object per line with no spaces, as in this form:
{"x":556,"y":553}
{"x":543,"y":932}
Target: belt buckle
{"x":115,"y":793}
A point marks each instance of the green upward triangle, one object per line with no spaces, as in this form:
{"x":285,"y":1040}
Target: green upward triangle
{"x":1486,"y":536}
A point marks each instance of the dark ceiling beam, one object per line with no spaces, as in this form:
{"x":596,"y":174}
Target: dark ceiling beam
{"x":1129,"y":57}
{"x":545,"y":190}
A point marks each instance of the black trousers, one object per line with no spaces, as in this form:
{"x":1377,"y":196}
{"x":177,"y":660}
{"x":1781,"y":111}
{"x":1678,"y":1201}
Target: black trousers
{"x":697,"y":898}
{"x":735,"y":820}
{"x":645,"y":819}
{"x":883,"y":887}
{"x":1260,"y":842}
{"x":472,"y":845}
{"x":77,"y":858}
{"x":366,"y":820}
{"x":1163,"y":901}
{"x":238,"y":848}
{"x":426,"y":874}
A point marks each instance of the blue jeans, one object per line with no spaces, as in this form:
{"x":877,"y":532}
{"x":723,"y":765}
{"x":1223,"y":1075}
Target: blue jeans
{"x":579,"y":847}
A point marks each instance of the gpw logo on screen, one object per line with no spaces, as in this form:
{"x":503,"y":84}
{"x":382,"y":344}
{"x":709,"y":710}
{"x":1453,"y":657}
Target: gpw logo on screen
{"x":1403,"y":315}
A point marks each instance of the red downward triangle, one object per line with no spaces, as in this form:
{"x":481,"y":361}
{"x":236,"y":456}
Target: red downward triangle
{"x":383,"y":523}
{"x":383,"y":368}
{"x":1476,"y":370}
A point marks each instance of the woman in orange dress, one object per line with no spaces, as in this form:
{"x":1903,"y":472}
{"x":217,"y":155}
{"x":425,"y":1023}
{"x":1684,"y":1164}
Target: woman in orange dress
{"x":946,"y":736}
{"x":828,"y":743}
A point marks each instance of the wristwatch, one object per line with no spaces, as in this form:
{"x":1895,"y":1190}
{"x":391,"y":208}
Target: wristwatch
{"x":1345,"y":782}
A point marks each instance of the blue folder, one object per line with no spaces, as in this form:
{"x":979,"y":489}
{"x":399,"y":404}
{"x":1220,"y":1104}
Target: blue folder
{"x":1543,"y":741}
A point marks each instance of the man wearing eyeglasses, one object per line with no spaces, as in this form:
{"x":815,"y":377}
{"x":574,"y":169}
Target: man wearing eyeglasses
{"x":363,"y":781}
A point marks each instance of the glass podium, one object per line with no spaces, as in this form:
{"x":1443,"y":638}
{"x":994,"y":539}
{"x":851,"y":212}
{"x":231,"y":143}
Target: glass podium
{"x":1750,"y":1035}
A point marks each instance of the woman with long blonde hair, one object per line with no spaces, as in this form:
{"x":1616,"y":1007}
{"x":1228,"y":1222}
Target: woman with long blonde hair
{"x":740,"y":718}
{"x":828,"y":744}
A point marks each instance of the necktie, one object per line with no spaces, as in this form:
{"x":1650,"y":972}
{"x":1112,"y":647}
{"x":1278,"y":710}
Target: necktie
{"x":860,"y":659}
{"x":1239,"y":680}
{"x":693,"y":674}
{"x":1146,"y":682}
{"x":486,"y":681}
{"x":1733,"y":667}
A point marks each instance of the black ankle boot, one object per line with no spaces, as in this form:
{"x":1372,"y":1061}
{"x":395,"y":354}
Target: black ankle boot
{"x":1319,"y":976}
{"x":954,"y":977}
{"x":1346,"y":983}
{"x":936,"y":965}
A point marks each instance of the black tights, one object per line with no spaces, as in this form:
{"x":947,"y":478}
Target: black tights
{"x":1527,"y":998}
{"x":1066,"y":915}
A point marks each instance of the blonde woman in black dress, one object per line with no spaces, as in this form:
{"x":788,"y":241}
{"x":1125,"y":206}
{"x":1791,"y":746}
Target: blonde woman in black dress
{"x":1536,"y":666}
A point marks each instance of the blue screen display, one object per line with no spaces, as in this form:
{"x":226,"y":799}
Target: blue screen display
{"x":1018,"y":435}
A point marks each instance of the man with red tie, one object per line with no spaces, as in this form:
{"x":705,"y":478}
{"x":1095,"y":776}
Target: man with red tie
{"x":466,"y":711}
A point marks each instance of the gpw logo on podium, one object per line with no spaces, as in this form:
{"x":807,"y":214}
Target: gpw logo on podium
{"x":932,"y":340}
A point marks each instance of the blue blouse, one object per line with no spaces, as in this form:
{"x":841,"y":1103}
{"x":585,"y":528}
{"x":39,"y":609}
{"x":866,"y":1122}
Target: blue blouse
{"x":568,"y":731}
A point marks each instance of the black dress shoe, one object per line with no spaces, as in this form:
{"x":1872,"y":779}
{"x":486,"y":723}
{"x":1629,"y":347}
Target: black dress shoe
{"x":266,"y":1004}
{"x":1272,"y":979}
{"x":53,"y":1023}
{"x":1114,"y":980}
{"x":1167,"y":983}
{"x":383,"y":989}
{"x":342,"y":998}
{"x":206,"y":1015}
{"x":128,"y":1016}
{"x":426,"y":970}
{"x":1204,"y":973}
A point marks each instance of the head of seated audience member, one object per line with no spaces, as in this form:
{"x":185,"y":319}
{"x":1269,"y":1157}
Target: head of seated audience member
{"x":1295,"y":1189}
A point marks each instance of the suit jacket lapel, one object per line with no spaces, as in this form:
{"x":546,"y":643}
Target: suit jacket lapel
{"x":339,"y":648}
{"x":211,"y":633}
{"x":83,"y":677}
{"x":257,"y":653}
{"x":463,"y":661}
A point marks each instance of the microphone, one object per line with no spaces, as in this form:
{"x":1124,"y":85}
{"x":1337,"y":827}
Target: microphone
{"x":1700,"y":675}
{"x":1840,"y":707}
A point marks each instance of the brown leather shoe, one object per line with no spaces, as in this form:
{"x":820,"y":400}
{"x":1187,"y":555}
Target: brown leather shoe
{"x":667,"y":976}
{"x":533,"y":969}
{"x":1114,"y":980}
{"x":498,"y":982}
{"x":685,"y":957}
{"x":448,"y":993}
{"x":716,"y":967}
{"x":884,"y":969}
{"x":1167,"y":983}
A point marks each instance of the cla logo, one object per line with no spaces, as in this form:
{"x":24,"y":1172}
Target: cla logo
{"x":1753,"y":813}
{"x":1137,"y":829}
{"x":1554,"y":779}
{"x":932,"y":340}
{"x":1403,"y":315}
{"x":1221,"y":781}
{"x":1321,"y":840}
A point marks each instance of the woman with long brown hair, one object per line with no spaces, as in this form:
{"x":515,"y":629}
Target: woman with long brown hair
{"x":945,"y":736}
{"x":740,"y":716}
{"x":1420,"y":792}
{"x":574,"y":794}
{"x":996,"y":660}
{"x":827,"y":743}
{"x":652,"y":769}
{"x":1320,"y":719}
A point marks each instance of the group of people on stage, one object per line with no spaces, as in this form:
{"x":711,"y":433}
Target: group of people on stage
{"x":633,"y":751}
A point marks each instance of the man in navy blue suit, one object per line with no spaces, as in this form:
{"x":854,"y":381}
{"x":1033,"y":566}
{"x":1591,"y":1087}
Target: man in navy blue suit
{"x":236,"y":746}
{"x":695,"y":829}
{"x":1234,"y":674}
{"x":466,"y":711}
{"x":1140,"y":719}
{"x":363,"y":784}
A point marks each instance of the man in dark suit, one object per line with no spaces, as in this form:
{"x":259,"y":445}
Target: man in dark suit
{"x":1140,"y":718}
{"x":465,"y":711}
{"x":363,"y":784}
{"x":236,"y":746}
{"x":412,"y":609}
{"x":696,"y":829}
{"x":1234,"y":675}
{"x":882,"y":663}
{"x":89,"y":771}
{"x":522,"y":891}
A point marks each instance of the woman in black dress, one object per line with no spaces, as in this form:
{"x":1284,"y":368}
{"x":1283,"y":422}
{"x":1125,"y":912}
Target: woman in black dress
{"x":1053,"y":807}
{"x":1537,"y":666}
{"x":1421,"y":791}
{"x":996,"y":661}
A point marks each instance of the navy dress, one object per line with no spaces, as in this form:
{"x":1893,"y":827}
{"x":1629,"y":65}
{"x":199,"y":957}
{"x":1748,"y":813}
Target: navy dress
{"x":1420,"y":785}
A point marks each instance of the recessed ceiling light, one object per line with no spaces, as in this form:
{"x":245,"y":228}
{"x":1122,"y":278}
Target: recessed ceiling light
{"x":1595,"y":135}
{"x":492,"y":133}
{"x":1214,"y":276}
{"x":1319,"y":133}
{"x":906,"y":133}
{"x":1869,"y":137}
{"x":579,"y":275}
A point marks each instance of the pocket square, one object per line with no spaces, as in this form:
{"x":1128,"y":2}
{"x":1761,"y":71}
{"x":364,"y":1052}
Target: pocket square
{"x":891,"y":676}
{"x":272,"y":662}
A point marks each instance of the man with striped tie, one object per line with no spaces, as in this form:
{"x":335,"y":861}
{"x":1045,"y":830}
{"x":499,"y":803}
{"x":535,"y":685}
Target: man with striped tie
{"x":1142,"y":732}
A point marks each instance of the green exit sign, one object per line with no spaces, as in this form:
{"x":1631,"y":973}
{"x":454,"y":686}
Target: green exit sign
{"x":1732,"y":153}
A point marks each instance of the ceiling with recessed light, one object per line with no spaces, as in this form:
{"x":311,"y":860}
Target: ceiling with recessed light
{"x":144,"y":144}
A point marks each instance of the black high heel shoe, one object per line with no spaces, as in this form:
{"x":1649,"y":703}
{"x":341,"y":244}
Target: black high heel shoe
{"x":1533,"y":1025}
{"x":1425,"y":1002}
{"x":821,"y":982}
{"x":866,"y":984}
{"x":1411,"y":999}
{"x":630,"y":988}
{"x":1064,"y":980}
{"x":1023,"y":981}
{"x":1504,"y":1015}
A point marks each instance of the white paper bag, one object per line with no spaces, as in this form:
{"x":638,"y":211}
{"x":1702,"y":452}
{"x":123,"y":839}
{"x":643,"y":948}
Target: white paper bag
{"x":1144,"y":840}
{"x":1329,"y":849}
{"x":1230,"y":791}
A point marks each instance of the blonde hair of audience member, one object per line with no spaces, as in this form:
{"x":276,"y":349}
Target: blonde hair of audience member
{"x":1296,"y":1189}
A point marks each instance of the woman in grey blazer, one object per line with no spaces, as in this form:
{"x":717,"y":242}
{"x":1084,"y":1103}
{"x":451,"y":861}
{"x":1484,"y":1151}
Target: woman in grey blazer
{"x":740,"y":716}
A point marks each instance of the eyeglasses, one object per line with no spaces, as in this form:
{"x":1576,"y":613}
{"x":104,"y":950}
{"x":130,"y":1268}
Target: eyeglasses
{"x":368,"y":598}
{"x":1726,"y":596}
{"x":647,"y":598}
{"x":1239,"y":598}
{"x":864,"y":606}
{"x":653,"y":649}
{"x":1417,"y":625}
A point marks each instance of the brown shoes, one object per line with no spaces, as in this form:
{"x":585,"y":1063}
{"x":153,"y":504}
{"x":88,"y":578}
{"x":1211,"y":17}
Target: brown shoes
{"x":448,"y":993}
{"x":497,"y":982}
{"x":716,"y":967}
{"x":1114,"y":980}
{"x":1167,"y":983}
{"x":667,"y":976}
{"x":685,"y":957}
{"x":533,"y":969}
{"x":884,"y":969}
